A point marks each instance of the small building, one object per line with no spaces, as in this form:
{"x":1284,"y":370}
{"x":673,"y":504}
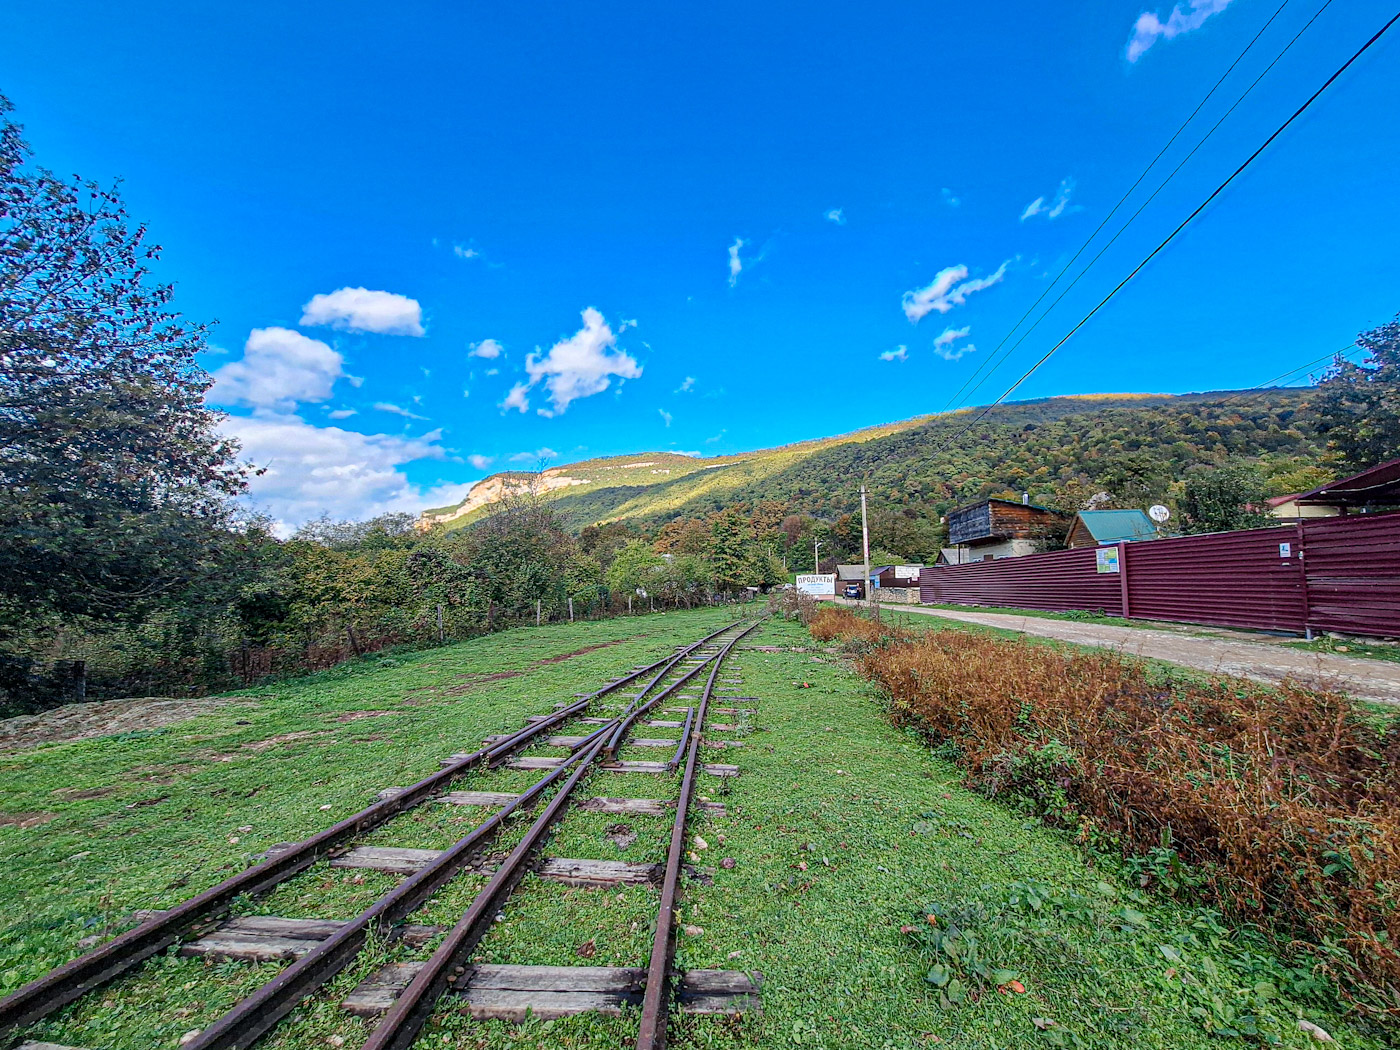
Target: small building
{"x":1002,"y":528}
{"x":1287,"y":508}
{"x":1094,"y":528}
{"x":847,"y":574}
{"x":896,"y":575}
{"x":1369,"y":492}
{"x":954,"y":556}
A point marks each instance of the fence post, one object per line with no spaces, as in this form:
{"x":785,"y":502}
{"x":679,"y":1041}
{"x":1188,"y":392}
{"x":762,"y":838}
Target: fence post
{"x":629,"y":605}
{"x":1123,"y":577}
{"x":571,"y":610}
{"x":537,"y":612}
{"x":439,"y":621}
{"x":354,"y":642}
{"x":1303,"y":581}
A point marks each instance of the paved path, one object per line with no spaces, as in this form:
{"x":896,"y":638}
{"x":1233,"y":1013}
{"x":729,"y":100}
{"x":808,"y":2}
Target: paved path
{"x":1263,"y":660}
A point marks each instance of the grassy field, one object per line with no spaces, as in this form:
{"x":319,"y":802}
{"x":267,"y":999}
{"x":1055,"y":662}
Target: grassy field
{"x":846,"y":835}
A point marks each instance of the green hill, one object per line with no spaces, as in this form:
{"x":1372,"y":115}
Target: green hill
{"x":1119,"y":440}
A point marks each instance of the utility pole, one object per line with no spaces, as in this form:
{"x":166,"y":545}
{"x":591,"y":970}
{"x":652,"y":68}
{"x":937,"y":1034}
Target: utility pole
{"x":816,"y":561}
{"x":865,"y":541}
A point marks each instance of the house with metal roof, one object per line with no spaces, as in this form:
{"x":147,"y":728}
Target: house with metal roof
{"x":1094,"y":528}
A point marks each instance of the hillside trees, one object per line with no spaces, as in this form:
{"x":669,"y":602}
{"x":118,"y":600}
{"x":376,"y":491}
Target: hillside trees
{"x":115,"y":483}
{"x":1358,"y":405}
{"x":1226,"y":498}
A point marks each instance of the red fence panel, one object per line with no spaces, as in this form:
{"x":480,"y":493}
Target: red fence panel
{"x":1353,"y":573}
{"x":1251,"y":578}
{"x":1059,"y":581}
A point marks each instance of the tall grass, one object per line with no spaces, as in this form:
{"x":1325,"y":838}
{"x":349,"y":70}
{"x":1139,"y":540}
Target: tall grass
{"x":1281,"y":802}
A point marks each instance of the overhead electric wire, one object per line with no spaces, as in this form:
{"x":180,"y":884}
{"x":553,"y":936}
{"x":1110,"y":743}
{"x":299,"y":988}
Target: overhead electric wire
{"x":1123,"y":199}
{"x":1343,"y":352}
{"x":1141,"y":208}
{"x":1181,"y":226}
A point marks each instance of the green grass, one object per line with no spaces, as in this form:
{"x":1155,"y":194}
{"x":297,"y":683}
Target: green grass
{"x":842,"y":830}
{"x":1351,"y":647}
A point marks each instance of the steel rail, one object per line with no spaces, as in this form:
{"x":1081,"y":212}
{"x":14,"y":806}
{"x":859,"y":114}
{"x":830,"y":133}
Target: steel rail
{"x":401,"y":1026}
{"x":73,"y":979}
{"x":257,"y":1014}
{"x":681,"y":743}
{"x":651,"y":1032}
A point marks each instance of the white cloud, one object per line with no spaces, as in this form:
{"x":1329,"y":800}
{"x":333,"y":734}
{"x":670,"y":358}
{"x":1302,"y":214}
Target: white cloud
{"x":487,"y":348}
{"x":695,"y":454}
{"x":361,"y":310}
{"x":835,"y":215}
{"x":493,"y":371}
{"x":949,"y":336}
{"x":947,"y":291}
{"x":579,"y":366}
{"x":899,"y":353}
{"x":1055,"y":208}
{"x":463,"y":252}
{"x":480,"y":462}
{"x":1184,"y":17}
{"x":736,"y":265}
{"x":516,"y":398}
{"x":535,"y":456}
{"x":665,"y":415}
{"x":311,"y":470}
{"x":687,"y":385}
{"x":396,"y":410}
{"x":279,"y":367}
{"x":943,"y":345}
{"x":343,"y":413}
{"x":949,"y":198}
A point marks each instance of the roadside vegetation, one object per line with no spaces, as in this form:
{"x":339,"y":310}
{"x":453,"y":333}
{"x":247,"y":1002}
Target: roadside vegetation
{"x":1273,"y":805}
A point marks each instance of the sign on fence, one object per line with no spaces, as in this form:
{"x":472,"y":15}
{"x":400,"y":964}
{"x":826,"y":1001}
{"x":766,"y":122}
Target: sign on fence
{"x":1106,"y":559}
{"x":818,"y":584}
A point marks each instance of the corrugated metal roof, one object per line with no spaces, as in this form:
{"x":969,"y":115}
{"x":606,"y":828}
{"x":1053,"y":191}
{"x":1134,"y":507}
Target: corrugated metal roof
{"x":850,"y":572}
{"x":1113,"y":526}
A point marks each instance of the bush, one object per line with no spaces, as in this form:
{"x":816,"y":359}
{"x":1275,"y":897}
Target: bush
{"x":1280,"y":802}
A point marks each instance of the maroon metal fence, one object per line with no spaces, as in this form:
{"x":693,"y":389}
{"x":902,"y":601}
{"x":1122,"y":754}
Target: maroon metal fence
{"x":1336,"y":574}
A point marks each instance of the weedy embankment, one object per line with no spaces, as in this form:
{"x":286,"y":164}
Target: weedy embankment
{"x":1276,"y":805}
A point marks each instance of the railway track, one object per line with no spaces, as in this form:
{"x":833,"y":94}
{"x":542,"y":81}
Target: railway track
{"x":403,"y":996}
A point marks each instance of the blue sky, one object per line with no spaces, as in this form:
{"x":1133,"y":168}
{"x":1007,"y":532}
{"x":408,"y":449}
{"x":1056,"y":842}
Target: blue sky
{"x":706,"y":228}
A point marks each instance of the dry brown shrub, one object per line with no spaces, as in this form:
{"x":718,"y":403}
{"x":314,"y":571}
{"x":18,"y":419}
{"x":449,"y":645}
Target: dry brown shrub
{"x":1284,"y":800}
{"x":837,"y":623}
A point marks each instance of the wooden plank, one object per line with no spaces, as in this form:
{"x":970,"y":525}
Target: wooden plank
{"x":386,"y":858}
{"x":478,"y":798}
{"x":595,"y":721}
{"x":512,"y":993}
{"x":564,"y":741}
{"x":651,"y":742}
{"x":717,"y":770}
{"x":722,"y":727}
{"x":263,"y":938}
{"x":645,"y":807}
{"x":635,"y":767}
{"x":598,"y":872}
{"x":733,"y":710}
{"x":535,"y":763}
{"x":30,"y":1044}
{"x":658,"y":723}
{"x":721,"y":744}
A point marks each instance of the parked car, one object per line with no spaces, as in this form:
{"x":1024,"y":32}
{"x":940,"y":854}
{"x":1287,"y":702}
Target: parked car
{"x":852,"y":590}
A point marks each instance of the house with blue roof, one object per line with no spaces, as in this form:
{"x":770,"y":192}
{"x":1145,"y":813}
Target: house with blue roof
{"x":1094,"y":528}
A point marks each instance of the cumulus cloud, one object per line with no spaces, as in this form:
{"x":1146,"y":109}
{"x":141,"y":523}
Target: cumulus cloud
{"x":361,"y":310}
{"x":1056,"y":207}
{"x":665,"y":416}
{"x":480,"y":462}
{"x":579,"y":366}
{"x":343,"y":413}
{"x":835,"y":215}
{"x":899,"y":353}
{"x":464,"y":252}
{"x":487,"y":348}
{"x":949,"y":198}
{"x":736,"y":265}
{"x":1184,"y":17}
{"x":396,"y":410}
{"x":943,"y":345}
{"x":687,"y":385}
{"x":309,"y":470}
{"x":949,"y":289}
{"x":279,"y":367}
{"x":517,"y":398}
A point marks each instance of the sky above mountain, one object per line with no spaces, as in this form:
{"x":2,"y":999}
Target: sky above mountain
{"x":445,"y":239}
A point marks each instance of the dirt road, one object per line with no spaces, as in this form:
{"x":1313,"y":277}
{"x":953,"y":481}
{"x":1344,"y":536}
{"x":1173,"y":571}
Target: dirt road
{"x":1263,"y":660}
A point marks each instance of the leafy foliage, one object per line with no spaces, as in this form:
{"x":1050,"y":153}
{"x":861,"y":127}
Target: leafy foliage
{"x":1358,"y":405}
{"x":1224,"y":499}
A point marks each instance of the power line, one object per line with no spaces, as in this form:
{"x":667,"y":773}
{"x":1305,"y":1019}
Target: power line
{"x":1121,"y":200}
{"x":1143,"y":206}
{"x":1343,"y":352}
{"x":1182,"y":225}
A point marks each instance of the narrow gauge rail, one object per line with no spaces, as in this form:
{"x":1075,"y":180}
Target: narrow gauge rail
{"x":412,"y":1008}
{"x":89,"y":971}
